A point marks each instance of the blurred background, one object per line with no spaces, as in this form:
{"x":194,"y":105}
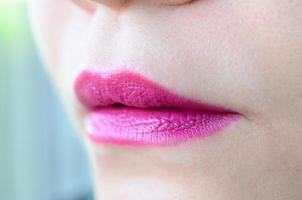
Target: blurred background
{"x":40,"y":156}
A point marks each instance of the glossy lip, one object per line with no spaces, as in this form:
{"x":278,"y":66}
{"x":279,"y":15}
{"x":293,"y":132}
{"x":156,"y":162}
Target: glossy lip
{"x":127,"y":109}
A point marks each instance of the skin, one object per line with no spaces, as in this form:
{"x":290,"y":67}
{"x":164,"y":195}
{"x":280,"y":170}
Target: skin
{"x":242,"y":55}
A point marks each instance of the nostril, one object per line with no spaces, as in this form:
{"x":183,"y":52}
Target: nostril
{"x":174,"y":2}
{"x":90,"y":5}
{"x":112,"y":3}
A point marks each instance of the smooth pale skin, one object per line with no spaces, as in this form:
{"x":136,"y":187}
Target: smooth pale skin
{"x":245,"y":55}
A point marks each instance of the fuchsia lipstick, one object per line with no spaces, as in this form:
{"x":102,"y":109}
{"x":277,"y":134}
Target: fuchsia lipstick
{"x":127,"y":109}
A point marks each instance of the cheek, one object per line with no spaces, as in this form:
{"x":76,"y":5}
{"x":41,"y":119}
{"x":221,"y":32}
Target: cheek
{"x":51,"y":22}
{"x":47,"y":27}
{"x":260,"y":41}
{"x":275,"y":48}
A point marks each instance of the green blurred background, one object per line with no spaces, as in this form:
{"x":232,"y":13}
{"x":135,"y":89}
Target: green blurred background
{"x":40,"y":156}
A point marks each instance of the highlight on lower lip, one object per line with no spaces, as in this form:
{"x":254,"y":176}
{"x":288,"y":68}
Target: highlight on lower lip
{"x":147,"y":114}
{"x":153,"y":127}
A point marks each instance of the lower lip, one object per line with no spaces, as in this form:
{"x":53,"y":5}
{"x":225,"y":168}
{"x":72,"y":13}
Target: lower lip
{"x":154,"y":126}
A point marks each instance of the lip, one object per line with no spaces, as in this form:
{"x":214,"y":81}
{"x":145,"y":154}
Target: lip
{"x":125,"y":108}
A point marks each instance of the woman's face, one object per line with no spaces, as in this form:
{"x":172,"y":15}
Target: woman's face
{"x":243,"y":55}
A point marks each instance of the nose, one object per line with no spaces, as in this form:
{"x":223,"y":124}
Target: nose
{"x":112,"y":3}
{"x":123,"y":3}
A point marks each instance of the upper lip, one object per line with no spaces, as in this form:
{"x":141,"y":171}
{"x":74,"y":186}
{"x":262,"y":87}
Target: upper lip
{"x":95,"y":89}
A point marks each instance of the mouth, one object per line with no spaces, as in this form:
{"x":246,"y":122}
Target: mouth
{"x":125,"y":108}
